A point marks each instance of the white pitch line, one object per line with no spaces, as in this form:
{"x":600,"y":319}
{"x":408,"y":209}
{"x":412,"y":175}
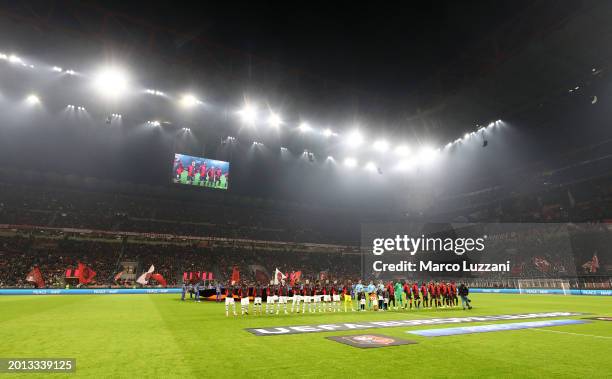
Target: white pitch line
{"x":575,"y":334}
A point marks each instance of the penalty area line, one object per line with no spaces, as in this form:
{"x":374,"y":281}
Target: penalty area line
{"x":574,"y":334}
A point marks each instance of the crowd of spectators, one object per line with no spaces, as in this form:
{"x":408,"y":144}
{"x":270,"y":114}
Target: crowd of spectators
{"x":19,"y":253}
{"x":536,"y":249}
{"x":26,"y":205}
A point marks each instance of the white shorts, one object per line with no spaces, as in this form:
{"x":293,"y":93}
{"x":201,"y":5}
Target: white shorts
{"x":282,"y":299}
{"x":380,"y":298}
{"x":306,"y":299}
{"x":257,"y":300}
{"x":229,"y":300}
{"x":296,"y":298}
{"x":270,"y":300}
{"x":336,"y":297}
{"x":275,"y":298}
{"x":244,"y":301}
{"x":362,"y":301}
{"x":316,"y":298}
{"x":326,"y":297}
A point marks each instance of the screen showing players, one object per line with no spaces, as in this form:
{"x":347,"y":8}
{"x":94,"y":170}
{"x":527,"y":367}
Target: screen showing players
{"x":201,"y":172}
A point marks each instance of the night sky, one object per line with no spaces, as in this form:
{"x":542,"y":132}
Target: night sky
{"x":422,"y":74}
{"x":374,"y":50}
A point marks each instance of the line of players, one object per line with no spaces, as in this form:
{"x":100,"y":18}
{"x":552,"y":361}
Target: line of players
{"x":326,"y":297}
{"x":210,"y":175}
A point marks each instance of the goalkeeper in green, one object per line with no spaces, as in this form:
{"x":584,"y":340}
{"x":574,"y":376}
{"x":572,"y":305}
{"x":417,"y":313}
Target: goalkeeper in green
{"x":400,"y":297}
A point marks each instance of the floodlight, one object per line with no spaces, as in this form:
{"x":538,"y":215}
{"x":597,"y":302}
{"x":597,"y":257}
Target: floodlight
{"x":354,"y":139}
{"x":57,"y":69}
{"x":189,"y":100}
{"x":154,"y":92}
{"x":370,"y":166}
{"x":248,"y":114}
{"x":304,"y":127}
{"x":402,"y":150}
{"x":327,"y":132}
{"x":427,"y":154}
{"x":350,"y":162}
{"x":274,"y":120}
{"x":381,"y":145}
{"x":32,"y":99}
{"x":111,"y":82}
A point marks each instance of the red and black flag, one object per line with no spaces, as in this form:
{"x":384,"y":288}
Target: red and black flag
{"x":85,"y":274}
{"x":235,"y":275}
{"x":159,"y":279}
{"x":35,"y":276}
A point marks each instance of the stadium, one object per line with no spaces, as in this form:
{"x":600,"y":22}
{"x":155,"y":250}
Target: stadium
{"x":271,"y":189}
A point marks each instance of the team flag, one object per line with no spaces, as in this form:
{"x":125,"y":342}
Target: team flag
{"x":118,"y":276}
{"x":144,"y":278}
{"x":159,"y":279}
{"x":541,"y":264}
{"x":295,"y":277}
{"x":235,"y":275}
{"x":594,"y":263}
{"x":194,"y":276}
{"x":85,"y":274}
{"x":278,"y":276}
{"x":35,"y":276}
{"x":260,"y":273}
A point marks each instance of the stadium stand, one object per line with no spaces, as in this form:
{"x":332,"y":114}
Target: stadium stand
{"x":55,"y":229}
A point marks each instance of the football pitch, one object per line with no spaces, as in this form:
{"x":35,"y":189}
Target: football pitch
{"x":198,"y":183}
{"x":160,"y":336}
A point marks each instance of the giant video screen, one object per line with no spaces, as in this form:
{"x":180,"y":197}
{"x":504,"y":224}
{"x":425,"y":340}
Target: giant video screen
{"x":200,"y":172}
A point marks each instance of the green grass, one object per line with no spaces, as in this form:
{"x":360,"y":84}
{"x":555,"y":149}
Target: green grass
{"x":196,"y":181}
{"x":159,"y":336}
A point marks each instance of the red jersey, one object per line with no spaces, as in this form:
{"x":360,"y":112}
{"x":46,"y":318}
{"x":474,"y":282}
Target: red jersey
{"x":432,"y":289}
